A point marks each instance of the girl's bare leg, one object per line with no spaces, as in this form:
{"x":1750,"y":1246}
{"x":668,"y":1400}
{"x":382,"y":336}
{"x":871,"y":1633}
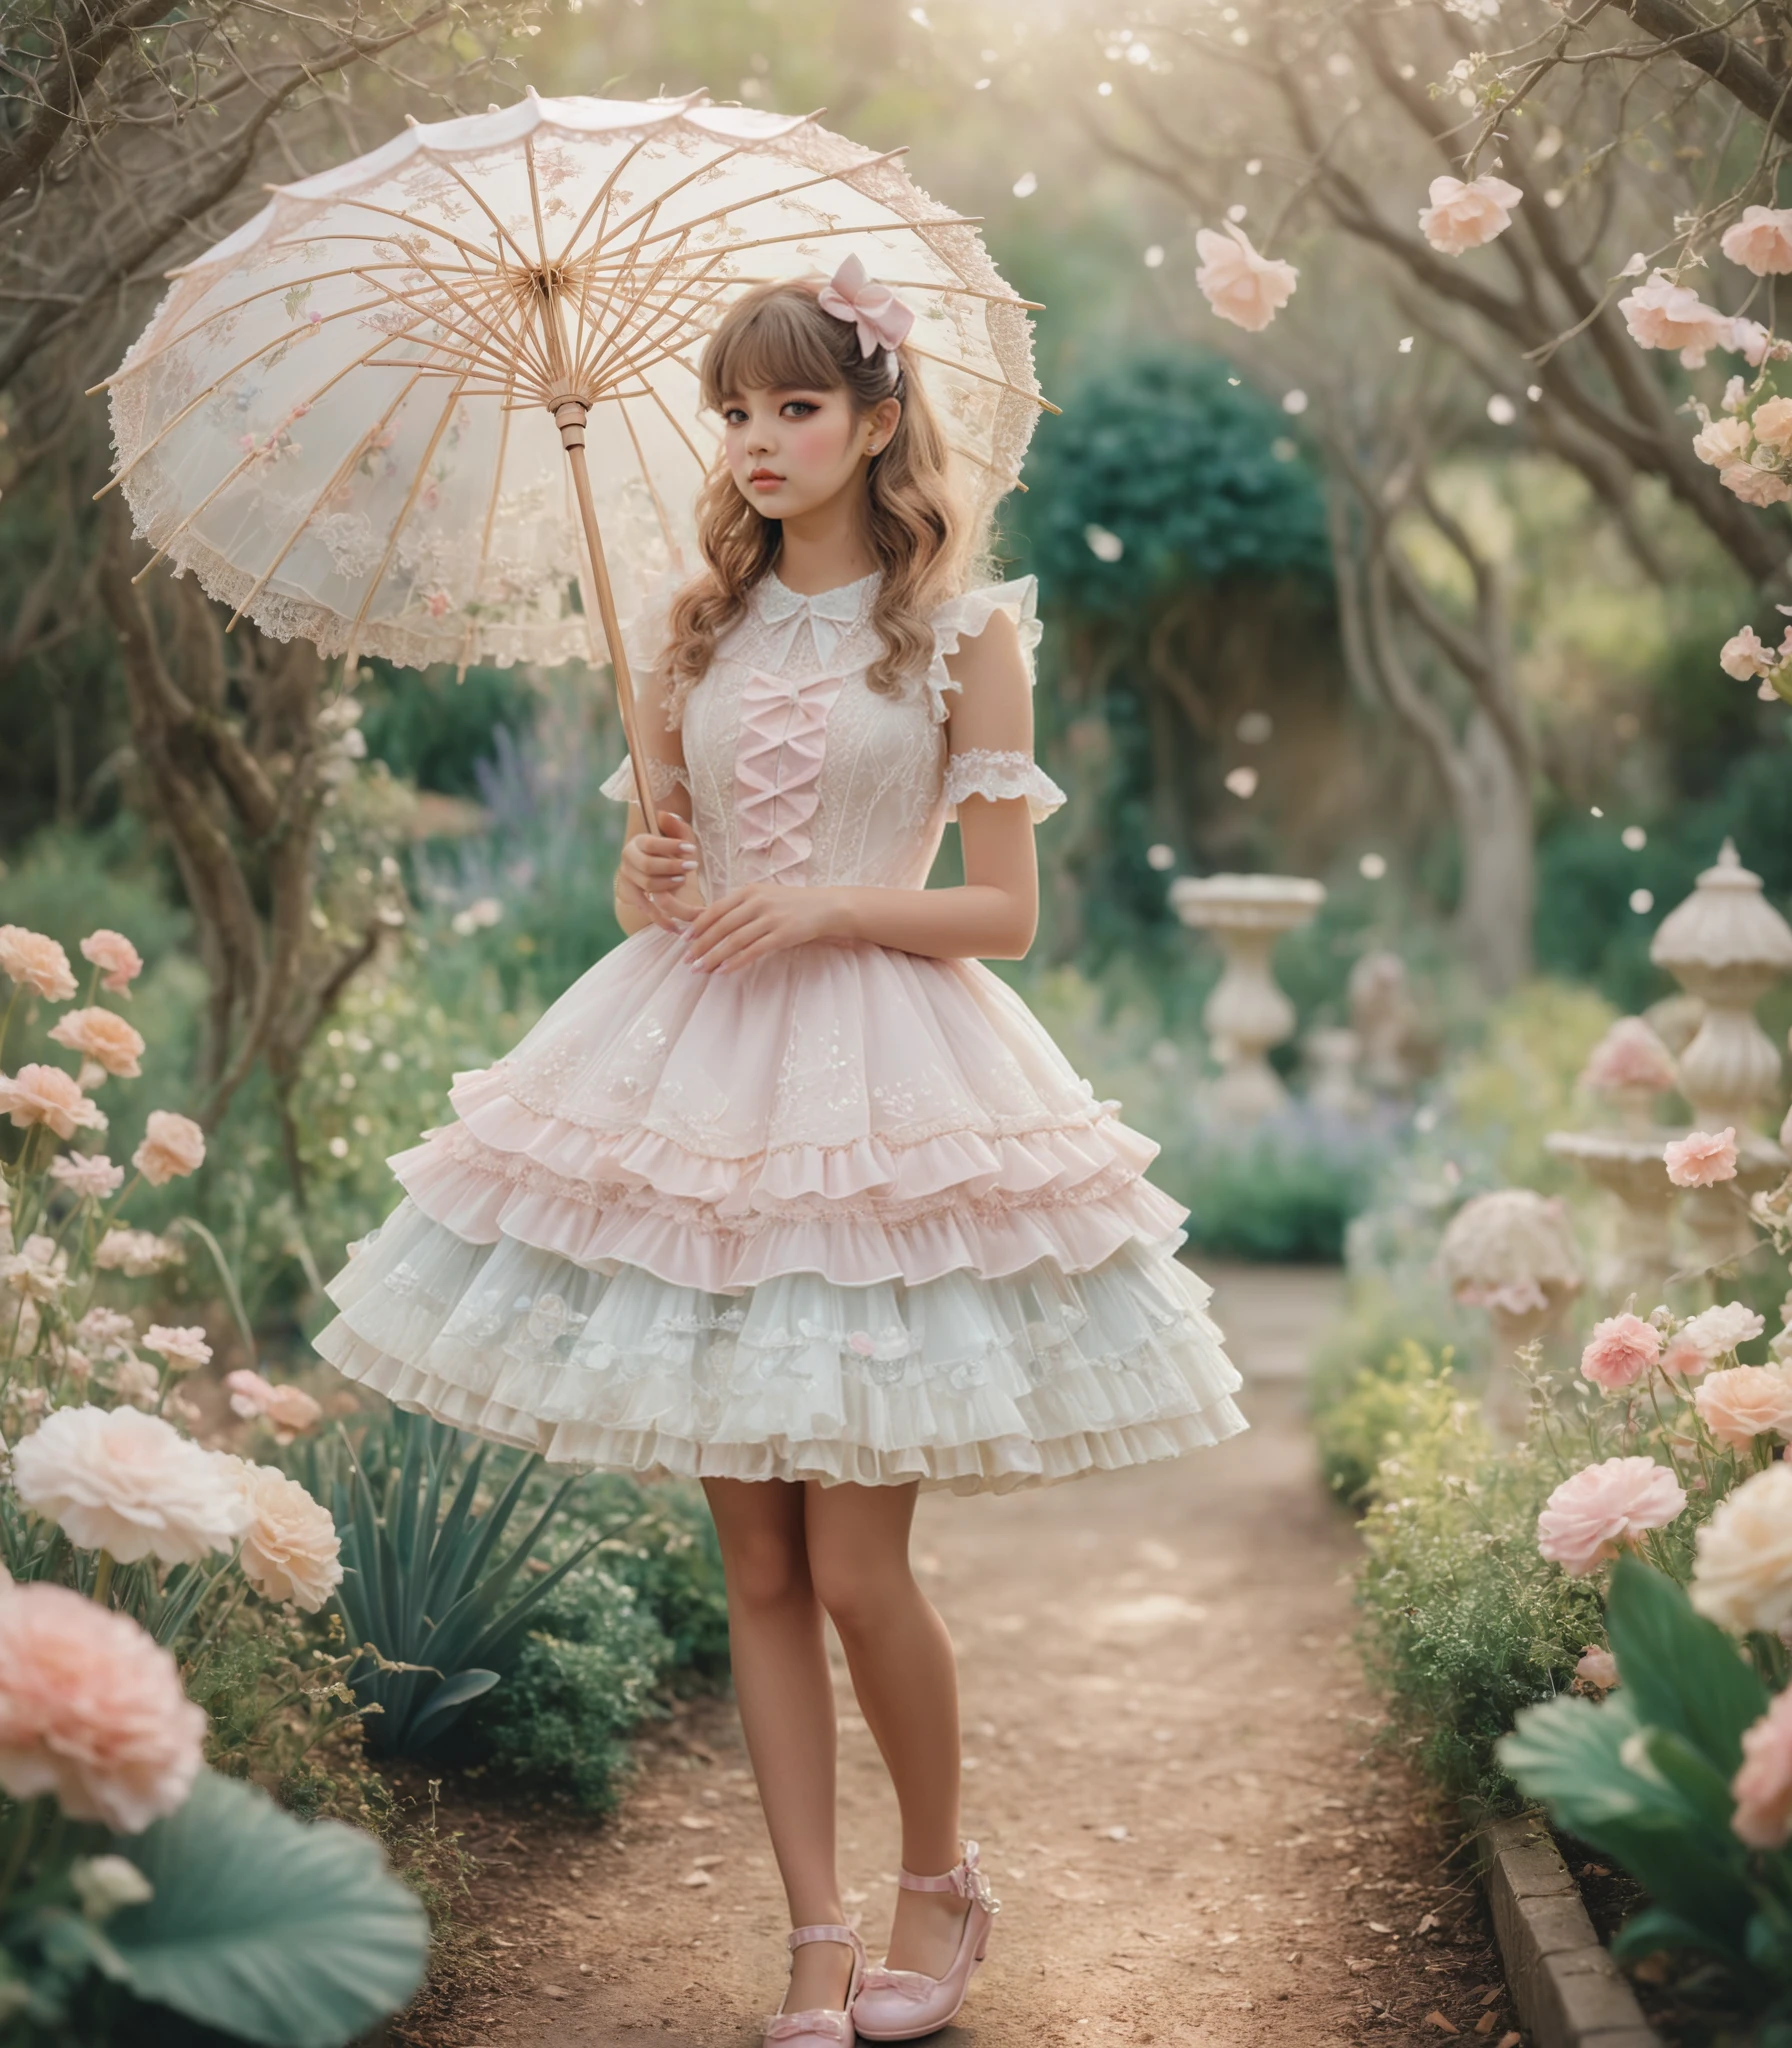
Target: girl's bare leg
{"x":786,"y":1697}
{"x":906,"y":1679}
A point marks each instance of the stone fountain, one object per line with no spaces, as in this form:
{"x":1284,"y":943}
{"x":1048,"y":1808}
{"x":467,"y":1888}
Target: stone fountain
{"x":1512,"y":1254}
{"x":1631,"y":1069}
{"x":1727,"y":945}
{"x":1247,"y":1013}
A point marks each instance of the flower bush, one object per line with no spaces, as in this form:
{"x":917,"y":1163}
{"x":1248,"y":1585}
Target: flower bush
{"x":127,"y":1548}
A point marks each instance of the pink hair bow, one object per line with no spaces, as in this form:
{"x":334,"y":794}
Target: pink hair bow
{"x":882,"y":319}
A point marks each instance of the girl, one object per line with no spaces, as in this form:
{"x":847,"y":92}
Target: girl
{"x":790,"y":1192}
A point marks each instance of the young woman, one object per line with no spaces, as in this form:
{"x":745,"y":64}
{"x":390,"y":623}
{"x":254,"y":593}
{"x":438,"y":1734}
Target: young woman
{"x":790,"y":1193}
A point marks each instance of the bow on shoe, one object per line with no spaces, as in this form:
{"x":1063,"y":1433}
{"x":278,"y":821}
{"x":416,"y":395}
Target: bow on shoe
{"x":821,"y":2024}
{"x":911,"y":1984}
{"x":969,"y":1882}
{"x":880,"y":316}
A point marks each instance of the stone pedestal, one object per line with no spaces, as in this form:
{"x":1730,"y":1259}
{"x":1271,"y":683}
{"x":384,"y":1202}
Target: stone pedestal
{"x":1628,"y":1164}
{"x":1247,"y":1013}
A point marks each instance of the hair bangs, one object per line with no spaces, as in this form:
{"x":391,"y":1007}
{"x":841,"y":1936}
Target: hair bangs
{"x":771,"y":342}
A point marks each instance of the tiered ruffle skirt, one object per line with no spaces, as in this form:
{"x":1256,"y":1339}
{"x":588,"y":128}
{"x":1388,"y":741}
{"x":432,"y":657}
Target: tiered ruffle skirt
{"x":847,"y":1214}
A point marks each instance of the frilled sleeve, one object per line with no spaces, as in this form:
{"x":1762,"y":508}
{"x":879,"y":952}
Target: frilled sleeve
{"x":990,"y":771}
{"x":662,"y":778}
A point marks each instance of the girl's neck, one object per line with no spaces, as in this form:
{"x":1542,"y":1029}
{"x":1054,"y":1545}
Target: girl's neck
{"x":822,"y":550}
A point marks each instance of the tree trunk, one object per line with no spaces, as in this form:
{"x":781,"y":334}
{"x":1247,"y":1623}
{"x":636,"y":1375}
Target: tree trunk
{"x":1491,"y":794}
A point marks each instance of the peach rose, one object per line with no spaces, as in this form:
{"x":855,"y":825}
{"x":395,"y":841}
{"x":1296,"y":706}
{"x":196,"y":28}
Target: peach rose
{"x":88,"y":1180}
{"x":1744,"y":1402}
{"x":1746,"y":656}
{"x":1463,"y":216}
{"x":1742,"y":1568}
{"x":288,"y":1408}
{"x":1600,"y":1508}
{"x":128,"y":1483}
{"x":46,"y":1095}
{"x":1630,"y":1056}
{"x":103,"y":1037}
{"x":183,"y":1346}
{"x":117,"y":959}
{"x":1754,"y":485}
{"x":1683,"y":1359}
{"x":1773,"y":424}
{"x":173,"y":1146}
{"x":1619,"y":1352}
{"x":36,"y":962}
{"x":1237,"y":282}
{"x":290,"y":1549}
{"x":1663,"y":314}
{"x":1702,"y":1158}
{"x":91,"y":1709}
{"x":1722,"y":442}
{"x":1762,"y":1787}
{"x":1760,"y":241}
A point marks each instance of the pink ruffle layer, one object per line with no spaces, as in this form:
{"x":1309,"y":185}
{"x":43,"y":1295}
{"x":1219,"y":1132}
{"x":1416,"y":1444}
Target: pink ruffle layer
{"x":853,"y":1112}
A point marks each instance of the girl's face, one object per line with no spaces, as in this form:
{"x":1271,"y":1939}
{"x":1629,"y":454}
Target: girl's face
{"x":796,"y":449}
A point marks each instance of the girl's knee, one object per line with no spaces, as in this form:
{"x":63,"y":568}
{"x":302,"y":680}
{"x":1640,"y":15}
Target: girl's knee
{"x":861,"y":1597}
{"x":767,"y":1568}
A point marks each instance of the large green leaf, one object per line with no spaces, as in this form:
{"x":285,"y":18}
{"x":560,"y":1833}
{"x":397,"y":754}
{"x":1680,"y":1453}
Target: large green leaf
{"x":1682,"y":1672}
{"x":282,"y":1933}
{"x":1597,"y":1773}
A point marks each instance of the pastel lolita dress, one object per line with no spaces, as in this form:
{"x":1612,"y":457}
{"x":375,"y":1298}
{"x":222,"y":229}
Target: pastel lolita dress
{"x":845,"y":1214}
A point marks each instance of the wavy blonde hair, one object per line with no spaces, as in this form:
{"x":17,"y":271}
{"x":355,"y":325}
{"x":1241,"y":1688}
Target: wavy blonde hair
{"x":923,"y":535}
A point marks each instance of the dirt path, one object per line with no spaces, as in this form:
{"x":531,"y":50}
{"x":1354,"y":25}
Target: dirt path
{"x":1167,"y":1768}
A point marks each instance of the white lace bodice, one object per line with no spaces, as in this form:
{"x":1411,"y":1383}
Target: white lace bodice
{"x":800,"y":772}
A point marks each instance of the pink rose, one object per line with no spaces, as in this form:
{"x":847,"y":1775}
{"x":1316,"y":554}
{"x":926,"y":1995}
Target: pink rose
{"x":1463,"y":216}
{"x":88,"y":1180}
{"x":1762,"y":1787}
{"x":36,"y":962}
{"x":117,"y":959}
{"x":1744,"y":1402}
{"x":46,"y":1095}
{"x":1619,"y":1352}
{"x":1683,"y":1359}
{"x":172,"y":1146}
{"x":1239,"y":284}
{"x":135,"y":1252}
{"x":1760,"y":241}
{"x":102,"y":1036}
{"x":183,"y":1346}
{"x":1702,"y":1158}
{"x":1663,"y":314}
{"x":1751,"y":340}
{"x":1597,"y":1667}
{"x":91,"y":1709}
{"x":289,"y":1409}
{"x":1630,"y":1056}
{"x":1602,"y":1507}
{"x":1753,"y":485}
{"x":290,"y":1550}
{"x":1747,"y":656}
{"x":1773,"y":424}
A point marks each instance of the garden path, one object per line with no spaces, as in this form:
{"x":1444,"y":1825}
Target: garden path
{"x":1169,"y":1769}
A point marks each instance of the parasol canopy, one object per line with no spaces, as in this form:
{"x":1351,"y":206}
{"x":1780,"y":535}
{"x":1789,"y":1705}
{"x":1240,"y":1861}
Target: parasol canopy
{"x":352,"y":419}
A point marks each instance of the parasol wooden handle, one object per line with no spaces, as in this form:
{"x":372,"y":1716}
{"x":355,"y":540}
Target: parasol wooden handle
{"x":569,"y":417}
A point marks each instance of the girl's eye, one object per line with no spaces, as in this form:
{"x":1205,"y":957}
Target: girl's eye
{"x":731,"y":415}
{"x":802,"y":407}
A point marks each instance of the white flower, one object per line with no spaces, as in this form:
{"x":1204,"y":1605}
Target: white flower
{"x":1463,"y":216}
{"x":104,"y":1883}
{"x":1742,"y":1572}
{"x":137,"y":1381}
{"x":1721,"y":442}
{"x":130,"y":1484}
{"x":37,"y":1270}
{"x":183,"y":1346}
{"x":1240,"y":284}
{"x":1717,"y":1330}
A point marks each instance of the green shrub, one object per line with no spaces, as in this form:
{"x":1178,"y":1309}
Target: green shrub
{"x":1464,"y":1622}
{"x":1384,"y":1405}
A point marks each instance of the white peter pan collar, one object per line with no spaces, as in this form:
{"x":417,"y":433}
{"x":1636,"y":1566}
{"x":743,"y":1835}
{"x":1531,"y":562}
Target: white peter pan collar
{"x":832,"y":614}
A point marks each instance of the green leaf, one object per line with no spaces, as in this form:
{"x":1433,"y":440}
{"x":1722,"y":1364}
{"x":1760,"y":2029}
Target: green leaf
{"x":1655,"y":1928}
{"x":1681,"y":1671}
{"x":446,"y":1704}
{"x":284,"y":1934}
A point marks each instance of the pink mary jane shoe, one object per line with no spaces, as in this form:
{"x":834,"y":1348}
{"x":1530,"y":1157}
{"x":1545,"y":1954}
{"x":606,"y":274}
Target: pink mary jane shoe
{"x":902,"y":2005}
{"x":821,"y":2022}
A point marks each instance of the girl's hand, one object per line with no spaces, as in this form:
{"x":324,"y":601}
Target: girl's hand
{"x":757,"y":919}
{"x":655,"y":867}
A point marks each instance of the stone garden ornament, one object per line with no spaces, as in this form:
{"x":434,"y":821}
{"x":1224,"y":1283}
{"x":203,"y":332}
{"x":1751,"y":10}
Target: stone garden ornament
{"x":440,"y":404}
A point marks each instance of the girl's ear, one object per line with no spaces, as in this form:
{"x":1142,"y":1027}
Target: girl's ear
{"x":882,"y":420}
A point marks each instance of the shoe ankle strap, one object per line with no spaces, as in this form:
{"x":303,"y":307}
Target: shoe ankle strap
{"x":964,"y":1878}
{"x":826,"y":1931}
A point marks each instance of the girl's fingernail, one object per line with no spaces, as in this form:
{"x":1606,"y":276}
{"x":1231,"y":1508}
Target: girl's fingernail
{"x":686,"y":846}
{"x":688,"y":865}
